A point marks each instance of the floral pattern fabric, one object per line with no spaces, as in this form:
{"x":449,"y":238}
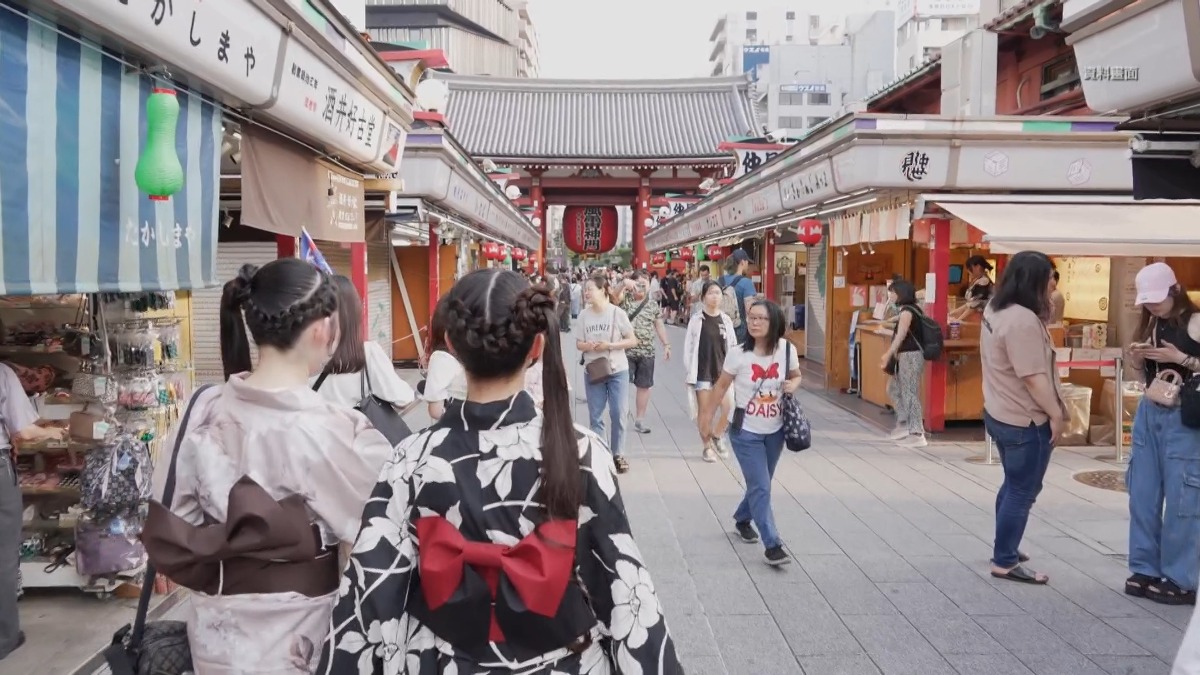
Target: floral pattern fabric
{"x":479,"y":468}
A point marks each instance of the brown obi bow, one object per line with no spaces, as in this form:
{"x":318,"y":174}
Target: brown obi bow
{"x":264,"y":546}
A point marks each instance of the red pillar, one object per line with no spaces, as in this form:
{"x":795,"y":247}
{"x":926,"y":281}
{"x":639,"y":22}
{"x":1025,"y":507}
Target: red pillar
{"x":358,"y":276}
{"x":285,"y":246}
{"x":435,"y":270}
{"x":641,"y":211}
{"x":939,"y":266}
{"x":539,"y":212}
{"x":767,"y":265}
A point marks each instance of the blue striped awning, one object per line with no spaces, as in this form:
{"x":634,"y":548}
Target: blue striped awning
{"x":72,"y":220}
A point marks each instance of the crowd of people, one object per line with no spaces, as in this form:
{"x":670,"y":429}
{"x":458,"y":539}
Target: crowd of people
{"x":496,"y":539}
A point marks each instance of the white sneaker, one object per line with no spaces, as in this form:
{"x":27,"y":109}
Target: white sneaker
{"x":916,"y":441}
{"x":898,"y":434}
{"x":723,"y":448}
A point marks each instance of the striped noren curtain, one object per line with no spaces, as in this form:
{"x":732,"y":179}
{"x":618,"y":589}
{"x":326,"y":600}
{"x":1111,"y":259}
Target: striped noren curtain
{"x":72,"y":220}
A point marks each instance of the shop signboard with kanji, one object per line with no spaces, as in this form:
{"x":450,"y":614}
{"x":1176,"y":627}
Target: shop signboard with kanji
{"x":749,"y":160}
{"x":231,"y":45}
{"x":321,"y":103}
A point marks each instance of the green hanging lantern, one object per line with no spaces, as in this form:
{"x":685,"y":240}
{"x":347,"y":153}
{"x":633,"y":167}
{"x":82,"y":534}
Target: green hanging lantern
{"x":159,"y":172}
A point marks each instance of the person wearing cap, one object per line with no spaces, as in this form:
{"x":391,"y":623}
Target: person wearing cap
{"x":1164,"y":465}
{"x":736,"y":276}
{"x":979,"y":291}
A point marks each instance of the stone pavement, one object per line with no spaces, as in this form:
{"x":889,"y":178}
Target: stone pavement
{"x":892,"y":546}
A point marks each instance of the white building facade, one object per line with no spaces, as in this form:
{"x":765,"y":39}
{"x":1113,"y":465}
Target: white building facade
{"x":479,"y":37}
{"x":923,"y":27}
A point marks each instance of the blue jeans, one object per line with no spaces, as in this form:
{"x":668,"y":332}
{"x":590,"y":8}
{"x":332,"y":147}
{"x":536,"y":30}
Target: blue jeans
{"x":758,"y":455}
{"x":1025,"y":456}
{"x":1164,"y":496}
{"x":614,"y":393}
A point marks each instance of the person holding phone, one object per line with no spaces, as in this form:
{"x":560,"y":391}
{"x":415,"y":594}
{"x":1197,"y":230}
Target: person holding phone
{"x":1164,"y":465}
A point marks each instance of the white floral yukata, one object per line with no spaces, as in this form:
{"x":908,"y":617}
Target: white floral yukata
{"x":478,"y":468}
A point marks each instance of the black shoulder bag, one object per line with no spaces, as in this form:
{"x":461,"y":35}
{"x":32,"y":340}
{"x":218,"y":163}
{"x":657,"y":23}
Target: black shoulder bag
{"x":158,"y":647}
{"x":382,"y":414}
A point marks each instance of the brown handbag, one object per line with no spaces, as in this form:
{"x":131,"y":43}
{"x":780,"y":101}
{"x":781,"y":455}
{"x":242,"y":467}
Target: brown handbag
{"x":600,"y":369}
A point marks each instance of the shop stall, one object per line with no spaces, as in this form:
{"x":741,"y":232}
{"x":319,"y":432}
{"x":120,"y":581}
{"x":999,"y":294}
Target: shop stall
{"x":862,"y":177}
{"x":460,"y":209}
{"x":108,"y":224}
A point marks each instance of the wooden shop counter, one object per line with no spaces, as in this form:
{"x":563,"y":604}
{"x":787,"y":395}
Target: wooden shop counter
{"x":964,"y":379}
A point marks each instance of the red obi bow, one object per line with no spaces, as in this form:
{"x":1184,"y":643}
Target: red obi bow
{"x":538,"y":567}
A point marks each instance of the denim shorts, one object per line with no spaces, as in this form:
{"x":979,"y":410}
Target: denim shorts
{"x":704,"y":386}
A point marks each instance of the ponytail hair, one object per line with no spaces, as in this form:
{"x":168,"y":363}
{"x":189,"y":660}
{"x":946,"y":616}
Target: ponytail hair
{"x":492,"y":319}
{"x":276,"y":302}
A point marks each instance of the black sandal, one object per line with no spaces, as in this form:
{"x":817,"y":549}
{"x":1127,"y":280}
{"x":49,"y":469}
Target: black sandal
{"x":1169,"y":593}
{"x":1022,"y":575}
{"x":622,"y":464}
{"x":1138,"y":584}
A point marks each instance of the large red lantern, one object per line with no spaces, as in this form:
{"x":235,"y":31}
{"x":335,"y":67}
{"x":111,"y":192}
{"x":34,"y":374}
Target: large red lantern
{"x":519,"y":254}
{"x":808,"y":232}
{"x":686,"y":254}
{"x":658,"y":259}
{"x":714,"y":252}
{"x":589,"y":230}
{"x":492,"y":251}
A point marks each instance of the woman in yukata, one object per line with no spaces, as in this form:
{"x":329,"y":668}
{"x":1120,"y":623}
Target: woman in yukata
{"x":496,"y":541}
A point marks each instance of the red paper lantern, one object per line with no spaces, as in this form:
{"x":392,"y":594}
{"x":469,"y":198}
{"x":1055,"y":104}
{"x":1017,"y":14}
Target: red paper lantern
{"x":492,"y":251}
{"x":809,"y":232}
{"x":519,"y":254}
{"x":658,"y":259}
{"x":589,"y":230}
{"x":686,"y":254}
{"x":714,"y":252}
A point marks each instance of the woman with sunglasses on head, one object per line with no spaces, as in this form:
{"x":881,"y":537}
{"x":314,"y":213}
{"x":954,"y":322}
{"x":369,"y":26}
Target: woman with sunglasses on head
{"x":761,"y":370}
{"x":496,"y":541}
{"x":607,"y":333}
{"x":270,"y":481}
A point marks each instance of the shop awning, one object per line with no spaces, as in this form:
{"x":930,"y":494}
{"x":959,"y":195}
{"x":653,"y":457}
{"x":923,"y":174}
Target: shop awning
{"x":1114,"y":226}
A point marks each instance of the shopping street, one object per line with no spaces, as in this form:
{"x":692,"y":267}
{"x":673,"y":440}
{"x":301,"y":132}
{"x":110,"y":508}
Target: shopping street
{"x":892,"y":576}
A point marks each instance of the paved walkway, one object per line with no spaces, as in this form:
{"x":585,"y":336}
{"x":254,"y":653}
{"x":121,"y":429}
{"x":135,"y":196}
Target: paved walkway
{"x":892,"y":547}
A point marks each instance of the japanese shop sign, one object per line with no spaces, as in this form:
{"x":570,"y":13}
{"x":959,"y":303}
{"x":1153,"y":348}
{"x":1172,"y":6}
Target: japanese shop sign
{"x":749,"y":160}
{"x":231,"y":45}
{"x":808,"y":187}
{"x":322,"y":104}
{"x":346,"y":204}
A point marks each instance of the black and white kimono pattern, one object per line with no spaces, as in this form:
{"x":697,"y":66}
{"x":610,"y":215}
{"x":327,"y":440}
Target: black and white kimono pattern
{"x":478,"y":468}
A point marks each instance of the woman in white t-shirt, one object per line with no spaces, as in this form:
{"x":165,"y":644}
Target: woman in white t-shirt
{"x":761,"y":370}
{"x":445,"y":379}
{"x":607,"y":333}
{"x":341,"y":383}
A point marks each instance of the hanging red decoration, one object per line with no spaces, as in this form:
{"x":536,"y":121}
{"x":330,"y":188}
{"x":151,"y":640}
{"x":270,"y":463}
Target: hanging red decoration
{"x":658,"y":259}
{"x":686,"y":254}
{"x":492,"y":251}
{"x":714,"y":252}
{"x":589,"y":230}
{"x":809,"y":232}
{"x":519,"y":254}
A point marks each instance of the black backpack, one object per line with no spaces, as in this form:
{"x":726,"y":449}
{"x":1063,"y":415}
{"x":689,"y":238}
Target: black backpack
{"x":928,"y":335}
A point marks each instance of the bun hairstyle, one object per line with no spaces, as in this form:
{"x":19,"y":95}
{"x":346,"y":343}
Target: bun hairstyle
{"x":277,"y":302}
{"x":492,"y":318}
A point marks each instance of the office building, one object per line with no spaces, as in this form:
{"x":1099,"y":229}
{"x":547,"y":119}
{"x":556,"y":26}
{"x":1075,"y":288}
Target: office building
{"x":479,"y":37}
{"x":802,"y":85}
{"x":741,"y":40}
{"x":923,"y":27}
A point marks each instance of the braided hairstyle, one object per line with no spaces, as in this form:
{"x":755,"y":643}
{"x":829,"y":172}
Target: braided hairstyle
{"x":277,"y":302}
{"x":492,"y":319}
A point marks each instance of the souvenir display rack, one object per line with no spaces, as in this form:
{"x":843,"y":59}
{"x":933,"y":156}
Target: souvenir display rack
{"x":109,"y":371}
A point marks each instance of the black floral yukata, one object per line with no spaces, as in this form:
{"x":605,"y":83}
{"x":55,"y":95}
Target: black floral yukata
{"x":469,"y":580}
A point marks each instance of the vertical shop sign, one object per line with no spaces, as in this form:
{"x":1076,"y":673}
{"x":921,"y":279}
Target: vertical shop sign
{"x":345,"y":206}
{"x":232,"y":45}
